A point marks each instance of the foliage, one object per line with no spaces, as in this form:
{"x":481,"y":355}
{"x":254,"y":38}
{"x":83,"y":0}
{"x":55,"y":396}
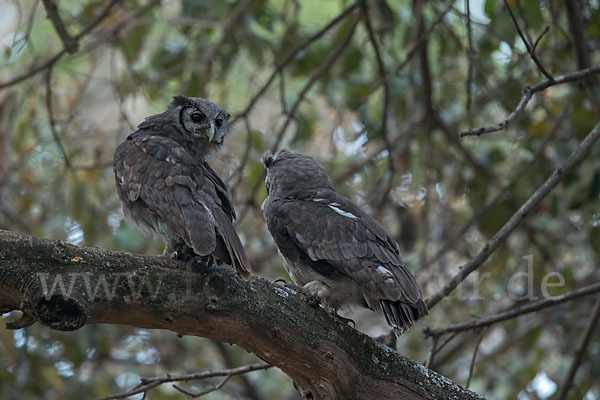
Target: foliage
{"x":412,"y":172}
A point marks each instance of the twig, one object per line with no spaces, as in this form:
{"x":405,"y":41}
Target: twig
{"x":439,"y":349}
{"x":354,"y":168}
{"x":474,"y":358}
{"x":52,"y":60}
{"x":429,"y":104}
{"x":27,"y":35}
{"x":150,"y":383}
{"x":530,"y":48}
{"x":386,"y":104}
{"x":582,"y":50}
{"x":232,"y":21}
{"x":51,"y":120}
{"x":528,"y":93}
{"x":229,"y":361}
{"x":282,"y":93}
{"x":516,"y":312}
{"x":589,"y":332}
{"x":450,"y":243}
{"x":71,"y":44}
{"x":576,"y":156}
{"x":239,"y":171}
{"x":49,"y":63}
{"x":433,"y":351}
{"x":383,"y":74}
{"x":206,"y":391}
{"x":413,"y":51}
{"x":469,"y":56}
{"x":290,"y":57}
{"x":537,"y":41}
{"x":312,"y":80}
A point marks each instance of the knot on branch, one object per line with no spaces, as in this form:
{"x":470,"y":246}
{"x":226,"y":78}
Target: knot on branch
{"x":60,"y":313}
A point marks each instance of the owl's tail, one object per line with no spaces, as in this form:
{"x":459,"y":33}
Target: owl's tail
{"x":238,"y":257}
{"x":401,"y":316}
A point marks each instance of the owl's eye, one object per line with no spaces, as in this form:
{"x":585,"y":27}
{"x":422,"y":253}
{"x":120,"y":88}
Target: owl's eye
{"x":198,"y":117}
{"x":218,"y":122}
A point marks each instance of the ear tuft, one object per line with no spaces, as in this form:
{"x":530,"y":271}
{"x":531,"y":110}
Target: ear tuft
{"x":268,"y":159}
{"x":180,"y":100}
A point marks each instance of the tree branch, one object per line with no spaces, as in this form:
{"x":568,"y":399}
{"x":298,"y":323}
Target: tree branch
{"x":530,"y":48}
{"x":70,"y":44}
{"x":65,"y":287}
{"x":504,"y":190}
{"x":290,"y":57}
{"x":516,"y":312}
{"x":314,"y":77}
{"x":589,"y":332}
{"x":51,"y":119}
{"x":514,"y":221}
{"x":54,"y":59}
{"x":528,"y":93}
{"x":151,"y":383}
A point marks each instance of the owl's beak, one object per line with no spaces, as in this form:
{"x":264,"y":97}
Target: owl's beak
{"x":211,"y":132}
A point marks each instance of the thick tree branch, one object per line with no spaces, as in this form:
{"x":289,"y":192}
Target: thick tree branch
{"x":576,"y":156}
{"x":65,"y":287}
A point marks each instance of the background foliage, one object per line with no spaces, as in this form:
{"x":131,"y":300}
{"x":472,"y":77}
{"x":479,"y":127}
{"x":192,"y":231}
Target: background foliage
{"x":440,"y":196}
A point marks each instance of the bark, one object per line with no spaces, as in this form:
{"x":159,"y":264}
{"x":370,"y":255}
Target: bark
{"x":326,"y":359}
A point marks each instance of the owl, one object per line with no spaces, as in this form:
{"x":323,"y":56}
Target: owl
{"x":168,"y":189}
{"x":331,"y":248}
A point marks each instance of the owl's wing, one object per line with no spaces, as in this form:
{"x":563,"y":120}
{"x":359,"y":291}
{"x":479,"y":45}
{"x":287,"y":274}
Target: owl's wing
{"x":330,"y":230}
{"x":159,"y":174}
{"x":222,"y":191}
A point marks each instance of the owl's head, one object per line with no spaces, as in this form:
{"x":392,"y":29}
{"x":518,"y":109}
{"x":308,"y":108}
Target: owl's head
{"x":200,"y":118}
{"x":289,"y":173}
{"x":195,"y":123}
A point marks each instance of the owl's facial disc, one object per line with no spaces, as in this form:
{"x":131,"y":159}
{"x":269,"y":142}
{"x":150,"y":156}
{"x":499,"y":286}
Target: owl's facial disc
{"x":197,"y":123}
{"x":202,"y":120}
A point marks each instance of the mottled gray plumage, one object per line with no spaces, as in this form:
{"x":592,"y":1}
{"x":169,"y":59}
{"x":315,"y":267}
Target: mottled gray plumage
{"x":331,"y":247}
{"x":168,"y":189}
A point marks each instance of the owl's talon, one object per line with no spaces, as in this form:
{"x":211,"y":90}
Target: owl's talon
{"x":311,"y":298}
{"x":201,"y":261}
{"x":170,"y":255}
{"x":289,"y":285}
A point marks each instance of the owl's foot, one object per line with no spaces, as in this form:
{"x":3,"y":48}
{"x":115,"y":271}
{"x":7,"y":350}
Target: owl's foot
{"x":287,"y":284}
{"x":315,"y":293}
{"x":178,"y":251}
{"x":201,"y":261}
{"x":311,"y":297}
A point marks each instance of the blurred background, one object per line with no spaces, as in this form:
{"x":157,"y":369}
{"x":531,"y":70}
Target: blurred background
{"x":379,"y":104}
